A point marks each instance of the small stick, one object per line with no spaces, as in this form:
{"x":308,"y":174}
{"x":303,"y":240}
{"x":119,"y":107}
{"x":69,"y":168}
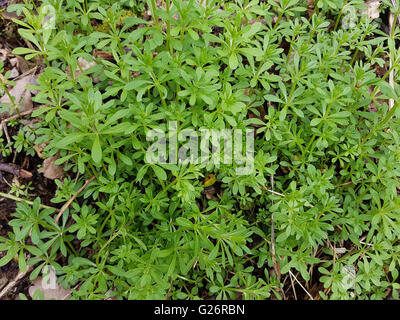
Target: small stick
{"x":273,"y":255}
{"x":15,"y":171}
{"x":275,"y":264}
{"x":33,"y":70}
{"x":70,"y":292}
{"x":309,"y":295}
{"x":395,"y":6}
{"x":16,"y":116}
{"x":344,"y":184}
{"x":273,"y":192}
{"x":9,"y":196}
{"x":392,"y":24}
{"x":391,"y":75}
{"x":347,"y":183}
{"x":293,"y":288}
{"x":278,"y":194}
{"x":3,"y":123}
{"x":12,"y":284}
{"x":72,"y":199}
{"x":4,"y":128}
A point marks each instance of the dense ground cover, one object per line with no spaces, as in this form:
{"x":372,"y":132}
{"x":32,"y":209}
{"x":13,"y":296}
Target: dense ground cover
{"x":318,"y":218}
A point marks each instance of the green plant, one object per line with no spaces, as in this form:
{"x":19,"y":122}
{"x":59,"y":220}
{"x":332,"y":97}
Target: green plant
{"x":326,"y":168}
{"x":22,"y":191}
{"x":4,"y":147}
{"x":4,"y":89}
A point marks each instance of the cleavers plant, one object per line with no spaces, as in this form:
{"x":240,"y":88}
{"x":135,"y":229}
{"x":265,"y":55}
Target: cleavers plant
{"x":327,"y":150}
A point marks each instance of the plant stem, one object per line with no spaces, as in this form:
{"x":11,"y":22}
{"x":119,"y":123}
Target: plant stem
{"x":279,"y":20}
{"x":14,"y":105}
{"x":11,"y":197}
{"x":357,"y":50}
{"x":168,"y":7}
{"x":340,"y":15}
{"x":374,"y":129}
{"x":154,"y":7}
{"x":319,"y":128}
{"x":394,"y":24}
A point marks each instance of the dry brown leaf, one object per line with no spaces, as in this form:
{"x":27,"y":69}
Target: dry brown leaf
{"x":4,"y":54}
{"x":21,"y":95}
{"x":372,"y":9}
{"x":14,"y":73}
{"x":21,"y":64}
{"x":340,"y":250}
{"x":9,"y":15}
{"x":39,"y":149}
{"x":108,"y":295}
{"x":103,"y":55}
{"x":16,"y":182}
{"x":18,"y":62}
{"x":50,"y":170}
{"x":373,"y":107}
{"x":3,"y":282}
{"x":83,"y":65}
{"x":58,"y":293}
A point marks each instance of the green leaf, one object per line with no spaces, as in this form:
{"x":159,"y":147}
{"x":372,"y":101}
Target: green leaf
{"x":270,"y":97}
{"x":21,"y":261}
{"x":183,"y":222}
{"x":315,"y":122}
{"x":22,"y":51}
{"x":9,"y":256}
{"x":233,"y":61}
{"x":97,"y":153}
{"x":136,"y":84}
{"x":160,"y":172}
{"x":71,"y":138}
{"x":125,"y":159}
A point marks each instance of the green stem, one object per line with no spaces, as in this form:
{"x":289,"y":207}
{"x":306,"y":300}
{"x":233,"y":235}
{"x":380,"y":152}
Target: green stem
{"x":290,"y":48}
{"x":168,"y":7}
{"x":107,"y":243}
{"x":314,"y":10}
{"x":154,"y":7}
{"x":158,"y":85}
{"x":72,"y":249}
{"x":11,"y":197}
{"x":279,"y":20}
{"x":319,"y":128}
{"x":357,"y":50}
{"x":340,"y":15}
{"x":394,"y":24}
{"x":389,"y":115}
{"x":14,"y":105}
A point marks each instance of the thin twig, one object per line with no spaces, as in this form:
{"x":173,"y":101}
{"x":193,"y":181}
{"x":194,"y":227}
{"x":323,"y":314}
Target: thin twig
{"x":392,"y":24}
{"x":347,"y":183}
{"x":275,"y":264}
{"x":11,"y":197}
{"x":391,"y":75}
{"x":72,"y":199}
{"x":395,"y":7}
{"x":16,"y":116}
{"x":293,"y":287}
{"x":15,"y":171}
{"x":3,"y":123}
{"x":12,"y":284}
{"x":29,"y":72}
{"x":273,"y":255}
{"x":272,"y":191}
{"x":309,"y":295}
{"x":4,"y":128}
{"x":70,"y":292}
